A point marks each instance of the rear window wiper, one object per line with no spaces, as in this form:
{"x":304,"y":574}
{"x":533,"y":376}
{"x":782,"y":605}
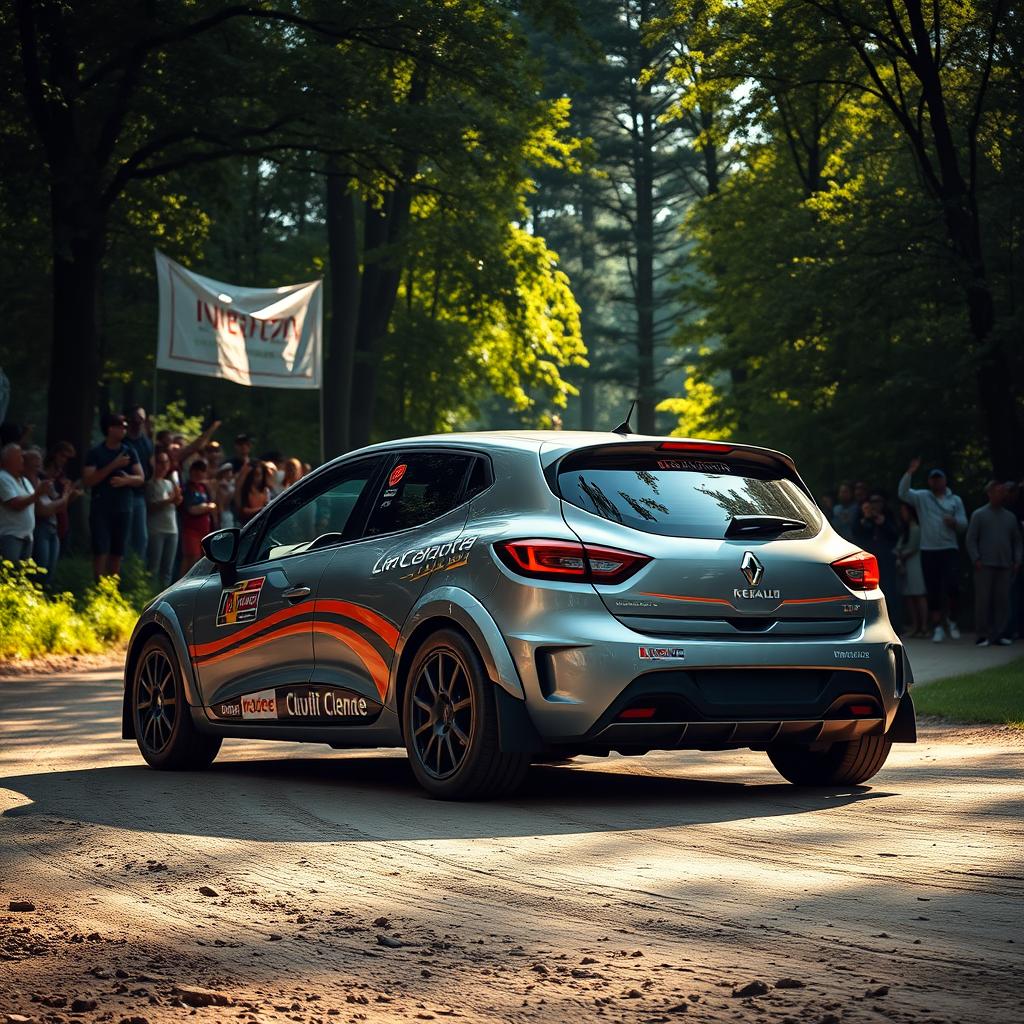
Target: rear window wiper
{"x":752,"y":526}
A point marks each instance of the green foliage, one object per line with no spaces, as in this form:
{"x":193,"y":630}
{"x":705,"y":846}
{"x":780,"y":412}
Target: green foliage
{"x":173,"y":416}
{"x":991,"y":695}
{"x":33,"y":623}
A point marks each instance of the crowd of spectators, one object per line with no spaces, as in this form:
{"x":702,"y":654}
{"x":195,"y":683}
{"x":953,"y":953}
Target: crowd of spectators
{"x":919,"y":545}
{"x":154,"y":496}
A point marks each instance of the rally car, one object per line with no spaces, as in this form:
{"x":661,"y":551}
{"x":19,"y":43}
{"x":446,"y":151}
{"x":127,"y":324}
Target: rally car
{"x":488,"y":600}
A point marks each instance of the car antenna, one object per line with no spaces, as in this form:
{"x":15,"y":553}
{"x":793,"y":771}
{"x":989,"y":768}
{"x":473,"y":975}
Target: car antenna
{"x":624,"y":427}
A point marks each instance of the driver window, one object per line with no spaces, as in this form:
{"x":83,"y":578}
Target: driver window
{"x":315,"y":516}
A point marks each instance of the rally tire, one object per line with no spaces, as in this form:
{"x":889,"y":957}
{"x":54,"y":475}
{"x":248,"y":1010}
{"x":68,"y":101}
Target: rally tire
{"x":164,"y":730}
{"x":472,"y":767}
{"x":843,"y":764}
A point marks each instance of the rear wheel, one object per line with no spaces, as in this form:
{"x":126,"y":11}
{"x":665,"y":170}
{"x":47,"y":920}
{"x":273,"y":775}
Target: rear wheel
{"x":450,"y":720}
{"x":163,"y":725}
{"x":843,"y":764}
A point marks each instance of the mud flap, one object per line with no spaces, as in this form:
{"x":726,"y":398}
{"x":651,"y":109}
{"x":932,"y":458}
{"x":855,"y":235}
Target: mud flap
{"x":904,"y":725}
{"x":516,"y":732}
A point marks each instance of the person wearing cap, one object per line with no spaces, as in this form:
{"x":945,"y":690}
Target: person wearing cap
{"x":941,"y":516}
{"x":243,"y":450}
{"x":995,"y":549}
{"x":111,"y":472}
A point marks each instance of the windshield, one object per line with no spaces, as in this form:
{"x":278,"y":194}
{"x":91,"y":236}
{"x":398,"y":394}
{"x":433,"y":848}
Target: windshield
{"x":683,"y":497}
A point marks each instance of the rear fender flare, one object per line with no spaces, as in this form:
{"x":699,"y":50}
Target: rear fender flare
{"x":465,"y":610}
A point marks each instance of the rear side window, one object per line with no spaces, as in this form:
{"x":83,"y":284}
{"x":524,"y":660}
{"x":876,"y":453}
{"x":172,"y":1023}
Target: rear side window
{"x":683,"y":497}
{"x":420,"y":487}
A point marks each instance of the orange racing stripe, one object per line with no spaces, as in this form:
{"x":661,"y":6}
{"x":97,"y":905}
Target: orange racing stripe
{"x":722,"y":600}
{"x":289,"y":629}
{"x":364,"y":651}
{"x":202,"y":650}
{"x":369,"y":618}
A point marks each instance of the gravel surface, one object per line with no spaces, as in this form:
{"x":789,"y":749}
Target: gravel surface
{"x":290,"y":883}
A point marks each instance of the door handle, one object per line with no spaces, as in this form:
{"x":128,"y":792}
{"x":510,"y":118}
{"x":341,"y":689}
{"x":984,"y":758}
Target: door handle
{"x":296,"y":593}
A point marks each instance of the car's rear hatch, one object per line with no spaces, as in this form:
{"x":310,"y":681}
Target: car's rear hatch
{"x":738,"y":548}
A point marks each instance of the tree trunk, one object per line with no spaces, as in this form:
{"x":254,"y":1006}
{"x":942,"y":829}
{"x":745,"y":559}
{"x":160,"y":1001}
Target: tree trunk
{"x":74,"y":364}
{"x":646,"y":398}
{"x":343,"y":277}
{"x":588,"y":320}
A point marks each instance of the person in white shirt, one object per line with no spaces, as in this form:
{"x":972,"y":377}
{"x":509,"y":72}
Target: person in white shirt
{"x":18,"y":499}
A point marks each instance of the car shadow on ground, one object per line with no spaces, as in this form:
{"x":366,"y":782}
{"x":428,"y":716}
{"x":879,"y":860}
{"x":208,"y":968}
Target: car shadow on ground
{"x":376,"y":798}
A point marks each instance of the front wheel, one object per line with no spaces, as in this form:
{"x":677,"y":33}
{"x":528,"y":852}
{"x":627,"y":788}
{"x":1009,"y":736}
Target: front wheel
{"x":450,"y":721}
{"x":163,"y":725}
{"x":843,"y":764}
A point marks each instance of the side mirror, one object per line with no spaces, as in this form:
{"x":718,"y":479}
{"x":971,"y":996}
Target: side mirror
{"x":221,"y":546}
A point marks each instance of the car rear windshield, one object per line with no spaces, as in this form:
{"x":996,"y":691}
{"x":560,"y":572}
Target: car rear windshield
{"x":684,"y":496}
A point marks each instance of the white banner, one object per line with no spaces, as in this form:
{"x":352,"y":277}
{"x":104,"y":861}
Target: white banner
{"x":259,"y":337}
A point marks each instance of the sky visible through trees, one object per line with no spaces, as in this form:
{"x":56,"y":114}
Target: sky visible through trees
{"x":791,"y":222}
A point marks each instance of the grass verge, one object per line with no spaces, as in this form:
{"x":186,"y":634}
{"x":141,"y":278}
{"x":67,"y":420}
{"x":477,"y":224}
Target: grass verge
{"x":34,"y":622}
{"x":991,"y":695}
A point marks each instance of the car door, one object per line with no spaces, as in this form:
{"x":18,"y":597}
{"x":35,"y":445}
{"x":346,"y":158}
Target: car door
{"x":253,"y":636}
{"x":413,"y":532}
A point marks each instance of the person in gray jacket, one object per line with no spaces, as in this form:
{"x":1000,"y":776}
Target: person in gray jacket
{"x":995,"y":548}
{"x":941,"y":515}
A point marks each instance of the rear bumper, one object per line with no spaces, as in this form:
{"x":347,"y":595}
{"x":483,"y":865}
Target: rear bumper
{"x":717,"y":694}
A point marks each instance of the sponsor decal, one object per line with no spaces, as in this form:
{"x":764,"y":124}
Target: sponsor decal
{"x":851,"y":654}
{"x":427,"y":560}
{"x":396,"y":474}
{"x":694,"y":465}
{"x":661,"y":653}
{"x":240,"y":603}
{"x":636,"y":604}
{"x":753,"y":593}
{"x":306,"y":703}
{"x":851,"y":609}
{"x":390,"y":492}
{"x":259,"y":705}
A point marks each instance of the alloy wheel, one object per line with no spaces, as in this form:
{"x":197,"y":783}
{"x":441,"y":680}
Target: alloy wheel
{"x":155,"y":701}
{"x":442,"y":714}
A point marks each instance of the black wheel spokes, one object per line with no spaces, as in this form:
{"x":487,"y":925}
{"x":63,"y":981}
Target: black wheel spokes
{"x":156,"y":704}
{"x":442,"y":714}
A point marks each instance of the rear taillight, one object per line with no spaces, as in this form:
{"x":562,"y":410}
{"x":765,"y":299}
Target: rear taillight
{"x":858,"y":571}
{"x":569,"y":560}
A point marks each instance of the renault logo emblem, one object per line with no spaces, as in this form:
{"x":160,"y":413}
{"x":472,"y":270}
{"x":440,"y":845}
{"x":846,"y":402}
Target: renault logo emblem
{"x":751,"y":568}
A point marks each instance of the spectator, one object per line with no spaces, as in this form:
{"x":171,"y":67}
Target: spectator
{"x":876,"y":533}
{"x":137,"y":439}
{"x":213,"y":456}
{"x":254,"y":494}
{"x":197,"y":521}
{"x":860,"y":493}
{"x":995,"y":548}
{"x":18,"y":499}
{"x":941,"y":516}
{"x":1015,"y":503}
{"x":224,"y":494}
{"x":163,"y":496}
{"x":845,"y":512}
{"x":111,"y":471}
{"x":292,"y":473}
{"x":908,"y":565}
{"x":54,"y":466}
{"x":45,"y":538}
{"x":826,"y":504}
{"x":243,"y":452}
{"x":273,"y":476}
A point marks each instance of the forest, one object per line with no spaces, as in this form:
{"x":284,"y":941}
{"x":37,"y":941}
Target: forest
{"x":794,"y":223}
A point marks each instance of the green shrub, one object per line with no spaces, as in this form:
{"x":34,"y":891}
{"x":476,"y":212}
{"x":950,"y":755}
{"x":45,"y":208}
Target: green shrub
{"x":33,"y":622}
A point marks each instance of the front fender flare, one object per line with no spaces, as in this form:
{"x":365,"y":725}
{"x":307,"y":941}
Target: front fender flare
{"x":462,"y":608}
{"x":158,"y":616}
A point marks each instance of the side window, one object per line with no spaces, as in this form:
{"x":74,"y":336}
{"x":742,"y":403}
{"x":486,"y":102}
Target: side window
{"x":480,"y":478}
{"x":420,"y":487}
{"x":314,"y":517}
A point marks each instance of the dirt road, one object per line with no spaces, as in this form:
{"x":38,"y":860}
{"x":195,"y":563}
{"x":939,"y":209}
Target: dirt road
{"x":654,"y":889}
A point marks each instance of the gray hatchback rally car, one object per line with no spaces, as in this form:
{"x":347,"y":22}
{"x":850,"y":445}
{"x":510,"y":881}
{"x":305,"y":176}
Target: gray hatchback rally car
{"x":492,"y":599}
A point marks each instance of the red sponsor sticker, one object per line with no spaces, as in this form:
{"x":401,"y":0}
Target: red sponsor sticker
{"x":396,"y":474}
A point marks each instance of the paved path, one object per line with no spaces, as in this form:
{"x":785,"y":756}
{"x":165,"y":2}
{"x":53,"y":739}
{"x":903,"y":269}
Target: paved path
{"x":313,"y":887}
{"x":956,"y":657}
